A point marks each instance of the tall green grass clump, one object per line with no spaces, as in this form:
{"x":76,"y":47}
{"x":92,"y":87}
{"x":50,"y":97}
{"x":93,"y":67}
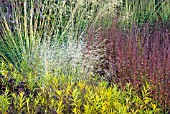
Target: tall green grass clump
{"x":142,"y":11}
{"x":38,"y":35}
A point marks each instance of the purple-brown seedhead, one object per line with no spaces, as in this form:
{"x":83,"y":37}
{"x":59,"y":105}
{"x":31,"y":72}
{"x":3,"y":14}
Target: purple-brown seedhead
{"x":134,"y":56}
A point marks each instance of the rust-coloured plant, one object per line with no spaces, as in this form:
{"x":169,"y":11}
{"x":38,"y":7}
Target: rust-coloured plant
{"x":141,"y":55}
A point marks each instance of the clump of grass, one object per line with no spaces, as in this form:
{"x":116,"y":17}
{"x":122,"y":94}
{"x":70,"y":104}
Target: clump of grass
{"x":47,"y":24}
{"x":57,"y":59}
{"x":145,"y":11}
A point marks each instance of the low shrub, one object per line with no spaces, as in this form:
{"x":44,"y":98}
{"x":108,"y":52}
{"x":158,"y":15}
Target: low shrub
{"x":57,"y":95}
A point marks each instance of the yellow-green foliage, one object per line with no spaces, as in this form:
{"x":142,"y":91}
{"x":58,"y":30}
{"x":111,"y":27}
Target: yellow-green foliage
{"x":56,"y":94}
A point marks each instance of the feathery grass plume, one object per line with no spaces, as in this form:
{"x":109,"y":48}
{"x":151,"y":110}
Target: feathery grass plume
{"x":46,"y":23}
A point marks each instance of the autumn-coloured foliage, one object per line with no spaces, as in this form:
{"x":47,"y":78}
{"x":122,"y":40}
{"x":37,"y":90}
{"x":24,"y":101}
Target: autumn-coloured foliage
{"x":136,"y":56}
